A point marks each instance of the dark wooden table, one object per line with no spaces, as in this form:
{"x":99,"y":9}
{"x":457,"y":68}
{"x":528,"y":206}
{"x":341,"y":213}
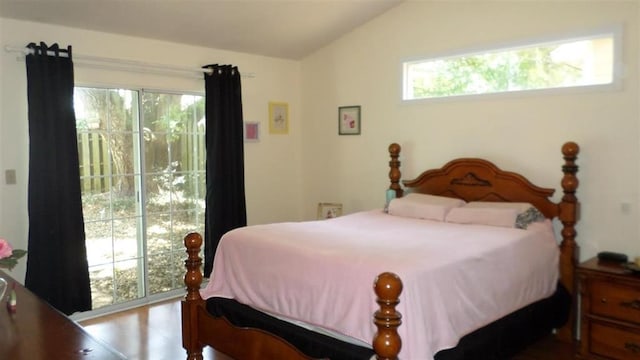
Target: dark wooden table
{"x":39,"y":331}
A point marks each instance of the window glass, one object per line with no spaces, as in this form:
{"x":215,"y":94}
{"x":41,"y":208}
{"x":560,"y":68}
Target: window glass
{"x":585,"y":61}
{"x":142,"y":174}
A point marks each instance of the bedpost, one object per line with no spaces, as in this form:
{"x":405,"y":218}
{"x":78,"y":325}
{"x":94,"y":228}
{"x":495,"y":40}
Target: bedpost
{"x":394,"y":169}
{"x":386,"y":341}
{"x":569,"y":212}
{"x":192,"y":301}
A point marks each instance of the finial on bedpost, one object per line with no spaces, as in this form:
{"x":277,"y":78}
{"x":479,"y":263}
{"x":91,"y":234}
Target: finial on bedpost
{"x":394,"y":172}
{"x":193,"y":277}
{"x":387,"y":342}
{"x":192,"y":301}
{"x":568,"y":215}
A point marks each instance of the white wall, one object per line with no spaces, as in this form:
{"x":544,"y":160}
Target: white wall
{"x":273,"y":165}
{"x":518,"y":133}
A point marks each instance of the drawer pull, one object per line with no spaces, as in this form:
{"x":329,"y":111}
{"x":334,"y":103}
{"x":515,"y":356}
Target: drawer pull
{"x":633,"y":347}
{"x":635,"y":304}
{"x":603,"y":300}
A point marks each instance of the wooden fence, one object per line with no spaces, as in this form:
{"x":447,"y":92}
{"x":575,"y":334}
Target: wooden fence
{"x":93,"y":153}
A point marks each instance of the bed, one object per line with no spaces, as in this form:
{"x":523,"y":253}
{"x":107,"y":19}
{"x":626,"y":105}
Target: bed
{"x":246,"y":332}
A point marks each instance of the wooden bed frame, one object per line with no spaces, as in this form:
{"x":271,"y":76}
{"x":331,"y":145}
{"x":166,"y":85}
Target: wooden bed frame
{"x":469,"y":179}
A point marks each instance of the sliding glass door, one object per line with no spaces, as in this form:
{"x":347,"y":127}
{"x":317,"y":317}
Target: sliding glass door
{"x":142,"y":172}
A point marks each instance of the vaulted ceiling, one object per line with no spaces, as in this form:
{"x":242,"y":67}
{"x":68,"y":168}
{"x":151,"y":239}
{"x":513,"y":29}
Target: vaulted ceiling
{"x":289,"y":29}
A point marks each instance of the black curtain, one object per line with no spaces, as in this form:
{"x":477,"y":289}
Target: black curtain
{"x":225,"y":200}
{"x":57,"y":268}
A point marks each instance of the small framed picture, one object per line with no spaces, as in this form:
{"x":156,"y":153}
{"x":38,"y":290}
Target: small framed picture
{"x":349,"y":120}
{"x":329,"y":210}
{"x":278,"y":118}
{"x":251,"y":131}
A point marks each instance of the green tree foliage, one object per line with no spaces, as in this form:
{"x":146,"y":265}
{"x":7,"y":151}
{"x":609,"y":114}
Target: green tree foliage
{"x":170,"y":128}
{"x":167,"y":123}
{"x":514,"y":70}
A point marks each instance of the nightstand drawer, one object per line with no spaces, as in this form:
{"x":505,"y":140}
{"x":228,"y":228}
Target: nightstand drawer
{"x":615,"y":300}
{"x":614,"y":342}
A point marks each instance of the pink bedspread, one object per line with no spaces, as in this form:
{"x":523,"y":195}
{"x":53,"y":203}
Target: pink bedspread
{"x":457,"y":278}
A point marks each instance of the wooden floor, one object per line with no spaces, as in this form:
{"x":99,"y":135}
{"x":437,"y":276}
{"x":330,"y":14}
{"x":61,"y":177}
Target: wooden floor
{"x":154,"y":333}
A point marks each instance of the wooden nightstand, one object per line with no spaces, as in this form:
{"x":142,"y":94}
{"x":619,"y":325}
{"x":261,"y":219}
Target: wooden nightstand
{"x":609,"y":311}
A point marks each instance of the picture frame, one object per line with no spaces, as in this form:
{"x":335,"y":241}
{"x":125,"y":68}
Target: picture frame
{"x":251,"y":131}
{"x":349,"y":120}
{"x":329,"y":210}
{"x":278,"y":118}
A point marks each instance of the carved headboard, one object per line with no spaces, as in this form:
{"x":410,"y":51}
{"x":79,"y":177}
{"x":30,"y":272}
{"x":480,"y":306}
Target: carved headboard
{"x":474,"y":179}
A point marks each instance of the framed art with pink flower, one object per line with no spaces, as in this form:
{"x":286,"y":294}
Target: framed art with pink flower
{"x":349,"y":120}
{"x":329,"y":210}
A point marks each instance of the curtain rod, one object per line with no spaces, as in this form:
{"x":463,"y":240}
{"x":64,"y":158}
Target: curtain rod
{"x":120,"y":64}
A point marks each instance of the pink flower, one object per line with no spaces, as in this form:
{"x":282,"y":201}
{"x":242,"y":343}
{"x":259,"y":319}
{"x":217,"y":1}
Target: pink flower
{"x":5,"y":249}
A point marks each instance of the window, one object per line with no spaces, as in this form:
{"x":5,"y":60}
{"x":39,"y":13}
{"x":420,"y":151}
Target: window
{"x":584,"y":61}
{"x":142,"y":174}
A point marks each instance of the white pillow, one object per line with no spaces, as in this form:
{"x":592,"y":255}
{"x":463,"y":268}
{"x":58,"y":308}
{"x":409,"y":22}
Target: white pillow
{"x":423,"y":206}
{"x":504,"y":217}
{"x":527,"y":213}
{"x":519,"y":206}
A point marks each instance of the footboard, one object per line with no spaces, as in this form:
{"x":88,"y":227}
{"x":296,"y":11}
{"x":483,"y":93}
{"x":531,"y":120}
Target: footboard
{"x":199,"y":328}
